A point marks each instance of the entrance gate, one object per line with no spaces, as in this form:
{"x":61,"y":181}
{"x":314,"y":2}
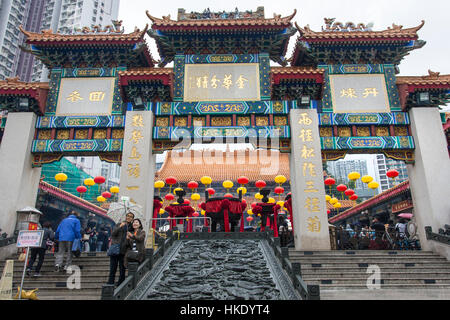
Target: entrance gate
{"x":339,"y":95}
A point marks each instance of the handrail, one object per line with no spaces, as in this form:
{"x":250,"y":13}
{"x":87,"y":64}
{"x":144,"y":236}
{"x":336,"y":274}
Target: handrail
{"x":137,"y":271}
{"x":293,"y":269}
{"x":442,"y":238}
{"x":8,"y":241}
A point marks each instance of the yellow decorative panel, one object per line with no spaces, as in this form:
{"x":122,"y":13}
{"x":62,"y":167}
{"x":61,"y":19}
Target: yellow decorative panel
{"x":280,"y":120}
{"x":198,"y":121}
{"x":180,"y":122}
{"x":220,"y":121}
{"x":81,"y":134}
{"x":44,"y":134}
{"x":344,"y":132}
{"x":363,"y":132}
{"x":382,"y":131}
{"x":326,"y":132}
{"x":117,"y":134}
{"x":401,"y":131}
{"x":100,"y":134}
{"x":162,"y":122}
{"x":262,"y":121}
{"x":62,"y":134}
{"x":243,"y":121}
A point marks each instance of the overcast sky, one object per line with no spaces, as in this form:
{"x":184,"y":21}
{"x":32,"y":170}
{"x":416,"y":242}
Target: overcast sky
{"x":409,"y":13}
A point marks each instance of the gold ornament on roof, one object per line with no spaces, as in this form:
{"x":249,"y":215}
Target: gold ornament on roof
{"x":331,"y":25}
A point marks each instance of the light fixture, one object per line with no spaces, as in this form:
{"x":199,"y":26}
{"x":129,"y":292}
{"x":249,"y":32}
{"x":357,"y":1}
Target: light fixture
{"x":23,"y":104}
{"x":424,"y":97}
{"x":305,"y":100}
{"x":138,"y":104}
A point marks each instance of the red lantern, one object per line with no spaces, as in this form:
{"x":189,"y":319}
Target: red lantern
{"x":242,"y":180}
{"x":171,"y":181}
{"x":260,"y":184}
{"x":228,"y":195}
{"x":328,"y":211}
{"x":186,"y":201}
{"x":192,"y":185}
{"x":106,"y":195}
{"x":249,"y":219}
{"x":169,"y":197}
{"x":341,"y":187}
{"x":330,"y":181}
{"x":195,"y":214}
{"x":354,"y":197}
{"x":211,"y":191}
{"x":392,"y":173}
{"x":349,"y":192}
{"x":253,"y":205}
{"x":279,"y":190}
{"x":99,"y":180}
{"x":81,"y":189}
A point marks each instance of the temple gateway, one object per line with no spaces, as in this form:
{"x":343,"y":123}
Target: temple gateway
{"x":231,"y":80}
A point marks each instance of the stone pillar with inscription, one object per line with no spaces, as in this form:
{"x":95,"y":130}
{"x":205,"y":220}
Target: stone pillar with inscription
{"x":307,"y":186}
{"x":20,"y":181}
{"x":429,"y":176}
{"x":138,"y":164}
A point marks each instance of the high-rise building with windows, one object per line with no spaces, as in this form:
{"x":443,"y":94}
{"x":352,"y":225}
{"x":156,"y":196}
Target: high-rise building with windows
{"x":13,"y":13}
{"x":383,"y":165}
{"x":63,"y":16}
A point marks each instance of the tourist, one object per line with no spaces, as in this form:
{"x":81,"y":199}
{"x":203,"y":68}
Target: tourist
{"x":118,"y":240}
{"x":67,"y":231}
{"x":86,"y":239}
{"x":400,"y":227}
{"x":102,"y":238}
{"x":135,"y":243}
{"x":47,"y":238}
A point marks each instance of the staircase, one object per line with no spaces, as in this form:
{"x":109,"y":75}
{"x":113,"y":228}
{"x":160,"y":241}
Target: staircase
{"x":404,"y":275}
{"x":94,"y":268}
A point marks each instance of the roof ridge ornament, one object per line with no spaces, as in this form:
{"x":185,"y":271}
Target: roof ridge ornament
{"x":432,"y":75}
{"x":114,"y":28}
{"x":331,"y":25}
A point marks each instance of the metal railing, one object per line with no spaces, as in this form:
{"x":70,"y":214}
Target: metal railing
{"x":293,"y":269}
{"x":8,"y":241}
{"x":137,"y":271}
{"x":343,"y":239}
{"x":443,"y":236}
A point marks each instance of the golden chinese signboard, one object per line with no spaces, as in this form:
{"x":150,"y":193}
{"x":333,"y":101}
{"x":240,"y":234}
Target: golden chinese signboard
{"x":82,"y":96}
{"x":359,"y":93}
{"x":222,"y":82}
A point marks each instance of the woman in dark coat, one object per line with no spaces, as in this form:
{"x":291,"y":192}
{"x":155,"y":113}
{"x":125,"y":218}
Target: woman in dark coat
{"x":135,"y":243}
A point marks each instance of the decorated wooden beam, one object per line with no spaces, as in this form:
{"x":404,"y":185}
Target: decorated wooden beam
{"x":18,"y":96}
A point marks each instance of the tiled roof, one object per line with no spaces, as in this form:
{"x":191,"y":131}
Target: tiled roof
{"x":381,"y":197}
{"x":394,"y":33}
{"x":15,"y":84}
{"x":254,"y":164}
{"x":432,"y":79}
{"x":146,"y":74}
{"x":276,"y":21}
{"x":279,"y":73}
{"x":345,"y":204}
{"x":46,"y":36}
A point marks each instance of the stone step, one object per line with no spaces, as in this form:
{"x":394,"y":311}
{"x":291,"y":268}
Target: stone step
{"x":370,"y":260}
{"x":365,"y":265}
{"x":45,"y":283}
{"x":363,"y":271}
{"x":363,"y":252}
{"x":367,"y":255}
{"x":384,"y":280}
{"x":384,"y":275}
{"x":64,"y":293}
{"x":325,"y":287}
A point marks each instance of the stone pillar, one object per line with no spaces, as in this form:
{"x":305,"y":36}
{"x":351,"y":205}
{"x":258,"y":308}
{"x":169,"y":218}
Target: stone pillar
{"x":138,"y":164}
{"x":307,"y":186}
{"x":20,"y":181}
{"x":429,"y":176}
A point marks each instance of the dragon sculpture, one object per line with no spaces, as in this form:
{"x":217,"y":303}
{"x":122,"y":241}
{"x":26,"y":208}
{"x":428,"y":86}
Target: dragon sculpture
{"x":115,"y":27}
{"x":331,"y":25}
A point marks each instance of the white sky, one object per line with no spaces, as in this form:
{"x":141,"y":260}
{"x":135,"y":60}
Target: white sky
{"x":409,"y":13}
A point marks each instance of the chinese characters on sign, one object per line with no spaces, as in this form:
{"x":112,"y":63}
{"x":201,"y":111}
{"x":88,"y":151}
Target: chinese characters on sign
{"x":221,"y":82}
{"x":309,"y":188}
{"x":133,"y":169}
{"x":354,"y":93}
{"x":86,"y":96}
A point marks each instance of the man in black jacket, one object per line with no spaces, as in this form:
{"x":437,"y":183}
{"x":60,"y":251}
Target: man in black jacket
{"x":49,"y":235}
